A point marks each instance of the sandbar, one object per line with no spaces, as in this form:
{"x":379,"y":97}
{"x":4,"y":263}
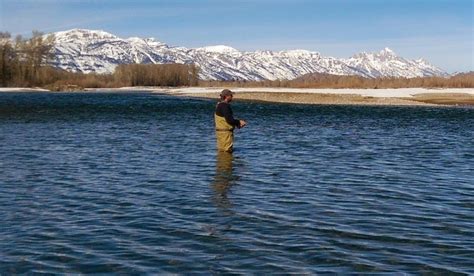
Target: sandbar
{"x":404,"y":96}
{"x":399,"y":96}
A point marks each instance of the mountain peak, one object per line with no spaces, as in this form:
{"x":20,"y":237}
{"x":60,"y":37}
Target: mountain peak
{"x":387,"y":52}
{"x":299,"y":52}
{"x":223,"y":49}
{"x":153,"y":42}
{"x":86,"y":34}
{"x":134,"y":38}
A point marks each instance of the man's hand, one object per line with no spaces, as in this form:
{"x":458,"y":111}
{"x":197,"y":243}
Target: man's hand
{"x":242,"y":123}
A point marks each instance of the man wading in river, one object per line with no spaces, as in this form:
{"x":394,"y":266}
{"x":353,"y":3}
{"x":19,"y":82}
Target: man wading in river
{"x":225,"y":122}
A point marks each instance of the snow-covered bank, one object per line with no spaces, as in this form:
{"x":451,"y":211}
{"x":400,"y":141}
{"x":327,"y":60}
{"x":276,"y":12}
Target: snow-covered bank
{"x":385,"y":93}
{"x":405,"y":96}
{"x":382,"y":93}
{"x":21,"y":89}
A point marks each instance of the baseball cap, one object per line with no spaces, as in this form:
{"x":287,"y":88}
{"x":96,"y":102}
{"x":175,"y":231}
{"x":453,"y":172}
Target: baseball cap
{"x":226,"y":92}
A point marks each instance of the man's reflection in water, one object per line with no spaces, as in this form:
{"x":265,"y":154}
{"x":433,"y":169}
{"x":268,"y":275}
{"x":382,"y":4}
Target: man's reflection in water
{"x":223,"y":180}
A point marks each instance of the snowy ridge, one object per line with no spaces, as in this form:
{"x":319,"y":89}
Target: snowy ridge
{"x":220,"y":49}
{"x":88,"y":51}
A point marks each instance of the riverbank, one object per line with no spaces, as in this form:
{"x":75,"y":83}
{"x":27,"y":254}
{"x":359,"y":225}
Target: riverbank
{"x":404,"y":96}
{"x":23,"y":89}
{"x":401,"y":96}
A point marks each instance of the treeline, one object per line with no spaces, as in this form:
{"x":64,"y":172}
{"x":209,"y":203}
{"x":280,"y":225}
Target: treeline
{"x":124,"y":75}
{"x":25,"y":63}
{"x":318,"y":80}
{"x":156,"y":75}
{"x":333,"y":81}
{"x":22,"y":60}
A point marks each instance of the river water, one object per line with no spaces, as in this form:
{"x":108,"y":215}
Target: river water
{"x":132,"y":183}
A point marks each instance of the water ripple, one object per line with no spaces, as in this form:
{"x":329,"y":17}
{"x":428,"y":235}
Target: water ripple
{"x":131,"y":183}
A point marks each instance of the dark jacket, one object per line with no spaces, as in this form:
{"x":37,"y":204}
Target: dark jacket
{"x":223,"y":109}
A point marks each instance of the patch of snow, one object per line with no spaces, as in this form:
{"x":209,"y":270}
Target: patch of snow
{"x":223,"y":49}
{"x":22,"y":89}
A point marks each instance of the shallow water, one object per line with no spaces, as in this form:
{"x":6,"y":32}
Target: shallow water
{"x":131,"y":182}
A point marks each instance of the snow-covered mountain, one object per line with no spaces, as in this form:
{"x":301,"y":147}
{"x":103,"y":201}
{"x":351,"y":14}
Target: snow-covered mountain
{"x":387,"y":63}
{"x":87,"y":51}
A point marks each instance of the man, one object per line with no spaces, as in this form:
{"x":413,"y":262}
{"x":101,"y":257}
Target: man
{"x":225,"y":122}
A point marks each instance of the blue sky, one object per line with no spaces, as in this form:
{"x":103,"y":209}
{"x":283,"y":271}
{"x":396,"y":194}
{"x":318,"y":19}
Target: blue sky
{"x":440,"y":31}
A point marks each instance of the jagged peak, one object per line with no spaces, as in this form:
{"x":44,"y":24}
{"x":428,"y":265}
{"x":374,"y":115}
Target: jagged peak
{"x":387,"y":52}
{"x":360,"y":55}
{"x":150,"y":39}
{"x":264,"y":52}
{"x":153,"y":42}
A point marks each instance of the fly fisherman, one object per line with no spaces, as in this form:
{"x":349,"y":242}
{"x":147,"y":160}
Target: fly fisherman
{"x":225,"y":122}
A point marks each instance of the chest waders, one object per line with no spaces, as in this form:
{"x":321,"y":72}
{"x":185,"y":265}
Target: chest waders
{"x":224,"y":134}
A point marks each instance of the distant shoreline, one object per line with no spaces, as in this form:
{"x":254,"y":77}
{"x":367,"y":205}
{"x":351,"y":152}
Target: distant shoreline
{"x":344,"y":99}
{"x":399,"y":96}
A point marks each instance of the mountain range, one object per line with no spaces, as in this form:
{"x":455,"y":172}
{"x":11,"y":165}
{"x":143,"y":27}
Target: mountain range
{"x":88,"y":51}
